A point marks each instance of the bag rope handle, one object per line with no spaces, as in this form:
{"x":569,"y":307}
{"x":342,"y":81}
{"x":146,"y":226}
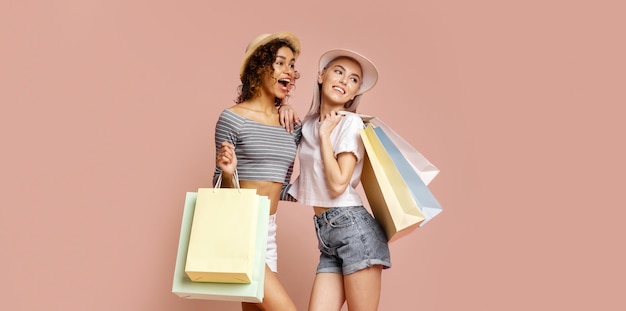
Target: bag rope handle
{"x":218,"y":183}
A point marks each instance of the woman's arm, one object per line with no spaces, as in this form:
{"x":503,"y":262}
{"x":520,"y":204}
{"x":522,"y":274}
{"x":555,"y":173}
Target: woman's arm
{"x":337,"y":171}
{"x":226,"y":133}
{"x":226,"y":160}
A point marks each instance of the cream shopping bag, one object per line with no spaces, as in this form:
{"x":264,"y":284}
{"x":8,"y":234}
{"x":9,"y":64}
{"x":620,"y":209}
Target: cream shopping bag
{"x":222,"y":238}
{"x":247,"y":292}
{"x":388,"y":194}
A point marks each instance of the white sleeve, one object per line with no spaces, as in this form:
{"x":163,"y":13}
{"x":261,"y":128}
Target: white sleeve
{"x":348,"y":137}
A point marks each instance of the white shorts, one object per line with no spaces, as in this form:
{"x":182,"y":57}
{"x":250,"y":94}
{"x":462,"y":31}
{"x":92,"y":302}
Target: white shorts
{"x":271,"y":258}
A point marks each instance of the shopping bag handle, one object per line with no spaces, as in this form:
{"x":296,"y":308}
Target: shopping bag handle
{"x":218,"y":183}
{"x":364,"y":117}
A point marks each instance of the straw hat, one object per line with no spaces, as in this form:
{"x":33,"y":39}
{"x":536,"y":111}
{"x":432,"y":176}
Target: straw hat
{"x":264,"y":39}
{"x":370,"y":73}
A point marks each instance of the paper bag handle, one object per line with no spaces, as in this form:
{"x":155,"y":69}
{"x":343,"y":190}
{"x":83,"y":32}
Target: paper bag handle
{"x":218,"y":183}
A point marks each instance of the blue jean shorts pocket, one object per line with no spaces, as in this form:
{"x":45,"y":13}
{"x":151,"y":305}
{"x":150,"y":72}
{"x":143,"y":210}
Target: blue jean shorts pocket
{"x":341,"y":220}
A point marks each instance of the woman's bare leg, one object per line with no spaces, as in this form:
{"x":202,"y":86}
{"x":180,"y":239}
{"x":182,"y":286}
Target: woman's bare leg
{"x":246,"y":306}
{"x":362,"y":289}
{"x":327,"y":293}
{"x":275,"y":297}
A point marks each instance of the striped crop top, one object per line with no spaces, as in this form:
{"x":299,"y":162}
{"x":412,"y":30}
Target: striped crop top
{"x":264,"y":152}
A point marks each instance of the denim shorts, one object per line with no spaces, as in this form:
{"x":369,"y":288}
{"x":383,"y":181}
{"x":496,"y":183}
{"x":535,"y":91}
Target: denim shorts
{"x":349,"y":240}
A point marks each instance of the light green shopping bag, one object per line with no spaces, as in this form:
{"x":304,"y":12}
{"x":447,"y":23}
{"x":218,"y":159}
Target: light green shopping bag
{"x":184,"y":287}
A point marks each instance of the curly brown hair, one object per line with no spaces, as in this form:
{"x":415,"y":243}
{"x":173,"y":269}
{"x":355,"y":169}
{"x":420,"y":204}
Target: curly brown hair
{"x":260,"y":63}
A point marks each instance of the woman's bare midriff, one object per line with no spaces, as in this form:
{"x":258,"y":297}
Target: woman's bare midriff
{"x":265,"y":188}
{"x":319,"y":210}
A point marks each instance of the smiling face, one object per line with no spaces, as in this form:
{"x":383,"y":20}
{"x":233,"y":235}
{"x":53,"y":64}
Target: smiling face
{"x":281,"y":78}
{"x":269,"y":64}
{"x":340,"y":81}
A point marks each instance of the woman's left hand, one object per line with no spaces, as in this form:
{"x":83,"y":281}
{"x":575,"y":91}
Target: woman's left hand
{"x":288,"y":117}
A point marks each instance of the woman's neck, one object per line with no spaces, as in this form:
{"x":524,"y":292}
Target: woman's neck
{"x":327,"y":108}
{"x":263,"y":104}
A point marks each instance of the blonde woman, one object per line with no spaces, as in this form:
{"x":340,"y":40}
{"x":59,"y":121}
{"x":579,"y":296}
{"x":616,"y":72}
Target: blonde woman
{"x":353,"y":247}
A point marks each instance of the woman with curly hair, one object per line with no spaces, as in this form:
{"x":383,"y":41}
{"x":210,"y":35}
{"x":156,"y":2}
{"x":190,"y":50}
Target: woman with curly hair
{"x":250,"y":140}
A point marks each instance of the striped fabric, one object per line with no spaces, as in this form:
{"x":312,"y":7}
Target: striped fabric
{"x":263,"y":152}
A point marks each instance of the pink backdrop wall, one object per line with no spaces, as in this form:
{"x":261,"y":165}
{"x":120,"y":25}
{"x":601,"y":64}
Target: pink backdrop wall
{"x":107,"y":117}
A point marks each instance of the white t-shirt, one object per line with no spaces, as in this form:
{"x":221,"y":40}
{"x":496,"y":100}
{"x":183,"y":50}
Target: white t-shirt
{"x":310,"y":186}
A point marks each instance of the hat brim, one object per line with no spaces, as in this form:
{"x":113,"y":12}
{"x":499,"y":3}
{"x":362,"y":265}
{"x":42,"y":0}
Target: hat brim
{"x":368,"y":69}
{"x":264,"y":39}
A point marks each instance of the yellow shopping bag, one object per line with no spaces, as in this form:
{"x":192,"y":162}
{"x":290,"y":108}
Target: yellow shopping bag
{"x":403,"y":157}
{"x":253,"y":292}
{"x":222,"y":238}
{"x":388,"y":194}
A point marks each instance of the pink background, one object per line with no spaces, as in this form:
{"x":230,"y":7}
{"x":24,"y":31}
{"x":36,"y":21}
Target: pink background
{"x":108,"y":112}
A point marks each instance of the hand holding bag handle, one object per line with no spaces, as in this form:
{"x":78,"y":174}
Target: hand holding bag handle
{"x":218,"y":182}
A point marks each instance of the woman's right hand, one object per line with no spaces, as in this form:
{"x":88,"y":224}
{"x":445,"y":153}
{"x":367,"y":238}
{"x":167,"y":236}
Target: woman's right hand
{"x":329,"y":122}
{"x":226,"y":159}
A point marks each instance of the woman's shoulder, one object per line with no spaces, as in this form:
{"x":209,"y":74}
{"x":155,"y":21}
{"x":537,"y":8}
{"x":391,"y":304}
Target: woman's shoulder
{"x":227,"y":113}
{"x":230,"y":119}
{"x":352,"y":119}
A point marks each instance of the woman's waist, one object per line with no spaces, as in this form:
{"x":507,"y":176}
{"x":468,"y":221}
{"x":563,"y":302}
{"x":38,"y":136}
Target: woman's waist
{"x":269,"y":189}
{"x":321,"y":205}
{"x":319,"y":210}
{"x":324,"y":213}
{"x":264,"y":187}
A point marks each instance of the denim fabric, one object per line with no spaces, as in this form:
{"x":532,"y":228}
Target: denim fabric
{"x":349,"y":240}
